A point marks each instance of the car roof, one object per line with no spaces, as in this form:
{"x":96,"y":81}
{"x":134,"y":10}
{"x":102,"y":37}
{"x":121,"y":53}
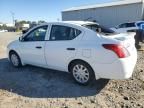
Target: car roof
{"x":80,"y":23}
{"x":133,"y":22}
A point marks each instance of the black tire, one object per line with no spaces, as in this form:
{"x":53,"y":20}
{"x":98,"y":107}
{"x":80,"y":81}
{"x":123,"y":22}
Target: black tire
{"x":89,"y":70}
{"x":19,"y":64}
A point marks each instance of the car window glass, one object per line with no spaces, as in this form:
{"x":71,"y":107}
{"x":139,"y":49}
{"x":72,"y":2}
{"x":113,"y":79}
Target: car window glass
{"x":122,"y":25}
{"x":63,"y":33}
{"x":37,"y":34}
{"x":130,"y":25}
{"x":125,"y":25}
{"x":99,"y":29}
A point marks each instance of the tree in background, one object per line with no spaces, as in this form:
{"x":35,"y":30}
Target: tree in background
{"x":19,"y":25}
{"x":41,"y":21}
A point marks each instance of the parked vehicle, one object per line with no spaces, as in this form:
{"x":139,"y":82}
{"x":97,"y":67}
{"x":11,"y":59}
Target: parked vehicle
{"x":85,"y":49}
{"x":3,"y":30}
{"x":129,"y":27}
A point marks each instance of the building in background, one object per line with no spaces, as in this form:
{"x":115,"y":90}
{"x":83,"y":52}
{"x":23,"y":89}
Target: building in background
{"x":107,"y":14}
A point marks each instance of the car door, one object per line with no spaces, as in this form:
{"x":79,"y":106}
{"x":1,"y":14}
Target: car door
{"x":32,"y":46}
{"x":61,"y":47}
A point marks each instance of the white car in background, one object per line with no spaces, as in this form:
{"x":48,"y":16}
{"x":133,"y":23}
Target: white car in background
{"x":129,"y":27}
{"x":85,"y":49}
{"x":3,"y":30}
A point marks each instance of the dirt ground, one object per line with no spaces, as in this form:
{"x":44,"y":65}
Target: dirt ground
{"x":34,"y":87}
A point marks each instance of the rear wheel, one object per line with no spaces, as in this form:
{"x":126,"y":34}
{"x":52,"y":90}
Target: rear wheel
{"x":82,"y":72}
{"x":15,"y":59}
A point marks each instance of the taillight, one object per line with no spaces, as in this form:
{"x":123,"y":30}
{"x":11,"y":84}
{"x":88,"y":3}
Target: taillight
{"x":120,"y":50}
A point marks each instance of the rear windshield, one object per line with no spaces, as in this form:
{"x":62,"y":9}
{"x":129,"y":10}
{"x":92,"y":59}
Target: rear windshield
{"x":100,"y":29}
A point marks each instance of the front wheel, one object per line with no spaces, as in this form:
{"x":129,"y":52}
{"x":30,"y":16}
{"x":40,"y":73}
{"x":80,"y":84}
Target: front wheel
{"x":82,"y":73}
{"x":15,"y":60}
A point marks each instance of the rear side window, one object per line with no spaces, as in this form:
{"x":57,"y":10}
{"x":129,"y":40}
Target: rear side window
{"x":59,"y":32}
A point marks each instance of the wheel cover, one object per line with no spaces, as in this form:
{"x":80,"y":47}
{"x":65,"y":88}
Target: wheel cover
{"x":81,"y":73}
{"x":14,"y":60}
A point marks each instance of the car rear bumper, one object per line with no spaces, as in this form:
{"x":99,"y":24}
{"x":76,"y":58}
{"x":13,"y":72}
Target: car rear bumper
{"x":119,"y":69}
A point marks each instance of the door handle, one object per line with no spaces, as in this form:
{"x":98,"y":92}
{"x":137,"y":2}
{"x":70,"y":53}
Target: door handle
{"x":38,"y":47}
{"x":71,"y":49}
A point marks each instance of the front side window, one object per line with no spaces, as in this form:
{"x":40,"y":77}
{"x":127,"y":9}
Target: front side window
{"x":37,"y":34}
{"x":59,"y":32}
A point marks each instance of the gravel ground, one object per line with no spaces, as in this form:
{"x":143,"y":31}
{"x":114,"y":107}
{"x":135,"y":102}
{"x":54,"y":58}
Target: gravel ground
{"x":33,"y":87}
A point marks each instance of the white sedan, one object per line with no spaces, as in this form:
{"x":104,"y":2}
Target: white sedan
{"x":85,"y":49}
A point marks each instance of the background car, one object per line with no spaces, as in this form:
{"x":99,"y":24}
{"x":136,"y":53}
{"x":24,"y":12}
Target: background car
{"x":85,"y":49}
{"x":137,"y":27}
{"x":129,"y":27}
{"x":3,"y":30}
